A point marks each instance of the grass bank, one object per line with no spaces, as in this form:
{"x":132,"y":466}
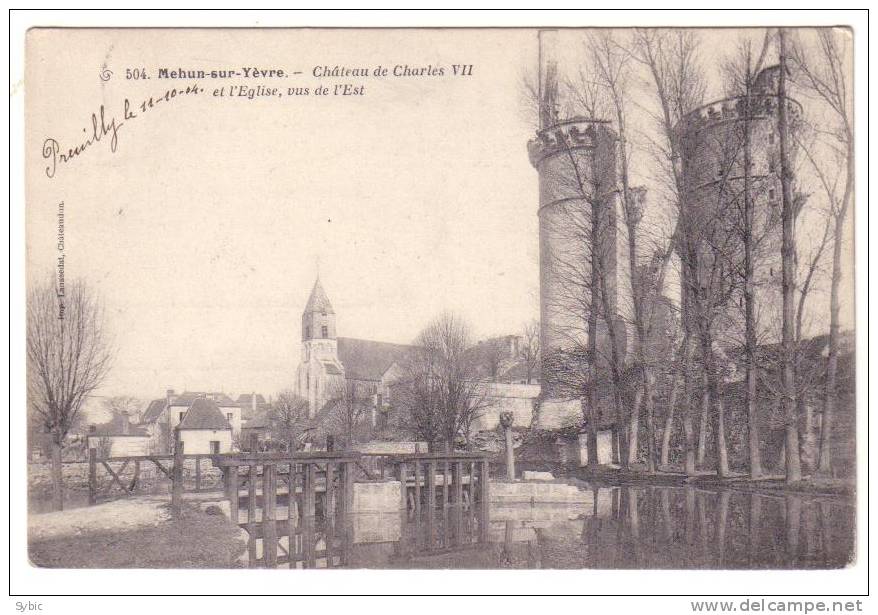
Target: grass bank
{"x":196,"y":540}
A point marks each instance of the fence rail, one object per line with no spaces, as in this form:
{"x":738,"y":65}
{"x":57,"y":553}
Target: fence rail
{"x":163,"y":464}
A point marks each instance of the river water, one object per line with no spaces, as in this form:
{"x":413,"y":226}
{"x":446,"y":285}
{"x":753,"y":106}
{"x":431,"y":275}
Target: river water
{"x":617,"y":527}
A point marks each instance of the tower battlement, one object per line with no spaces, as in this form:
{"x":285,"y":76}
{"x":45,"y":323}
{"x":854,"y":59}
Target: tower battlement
{"x":762,"y":106}
{"x":576,"y":133}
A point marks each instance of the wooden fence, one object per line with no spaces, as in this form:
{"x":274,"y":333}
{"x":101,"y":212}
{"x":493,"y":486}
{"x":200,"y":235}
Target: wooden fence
{"x":308,"y":485}
{"x":433,"y":479}
{"x":164,"y":465}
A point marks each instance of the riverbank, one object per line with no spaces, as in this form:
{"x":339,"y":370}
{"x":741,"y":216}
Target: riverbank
{"x":770,"y":484}
{"x":134,"y":533}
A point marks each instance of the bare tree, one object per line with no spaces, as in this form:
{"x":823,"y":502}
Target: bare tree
{"x":350,"y":404}
{"x":612,"y":64}
{"x":741,"y":74}
{"x":286,"y":417}
{"x":439,"y":382}
{"x":788,"y":279}
{"x":492,"y":354}
{"x":676,"y":81}
{"x":823,"y":74}
{"x":120,"y":404}
{"x":529,"y":350}
{"x":68,"y":357}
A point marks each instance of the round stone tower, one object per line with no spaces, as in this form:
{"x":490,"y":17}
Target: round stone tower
{"x":713,"y":139}
{"x":576,"y":162}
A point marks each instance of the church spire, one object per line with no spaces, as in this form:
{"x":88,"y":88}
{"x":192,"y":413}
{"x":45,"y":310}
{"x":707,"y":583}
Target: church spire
{"x":318,"y":318}
{"x":318,"y":301}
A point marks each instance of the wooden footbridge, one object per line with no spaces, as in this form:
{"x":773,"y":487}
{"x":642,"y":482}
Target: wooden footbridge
{"x":296,"y":508}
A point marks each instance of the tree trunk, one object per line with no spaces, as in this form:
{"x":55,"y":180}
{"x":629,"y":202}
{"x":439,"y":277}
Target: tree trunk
{"x":715,"y":405}
{"x":633,"y":427}
{"x":807,"y":443}
{"x":649,"y":407}
{"x":57,"y":477}
{"x":702,"y":427}
{"x":788,"y":282}
{"x":722,"y":450}
{"x":669,"y":423}
{"x":750,"y":341}
{"x":824,"y":465}
{"x":593,"y":438}
{"x":614,"y":444}
{"x":752,"y":425}
{"x":686,"y":362}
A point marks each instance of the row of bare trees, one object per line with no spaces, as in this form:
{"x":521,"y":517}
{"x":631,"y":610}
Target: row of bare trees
{"x":719,"y":241}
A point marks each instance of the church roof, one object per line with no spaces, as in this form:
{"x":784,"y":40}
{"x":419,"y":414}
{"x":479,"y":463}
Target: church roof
{"x":331,"y":369}
{"x":368,"y":360}
{"x":204,"y":414}
{"x":318,"y":301}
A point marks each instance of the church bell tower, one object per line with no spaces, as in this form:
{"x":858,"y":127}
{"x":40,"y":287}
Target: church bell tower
{"x":319,"y":364}
{"x":318,"y":326}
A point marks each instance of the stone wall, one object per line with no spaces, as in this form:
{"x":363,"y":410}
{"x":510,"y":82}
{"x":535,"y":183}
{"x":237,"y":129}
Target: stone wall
{"x":501,"y":397}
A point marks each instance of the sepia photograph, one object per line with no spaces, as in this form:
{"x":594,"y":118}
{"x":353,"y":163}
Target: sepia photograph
{"x":451,"y":298}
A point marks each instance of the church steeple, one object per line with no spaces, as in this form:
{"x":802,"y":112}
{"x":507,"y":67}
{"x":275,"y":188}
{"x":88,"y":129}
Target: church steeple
{"x":318,"y":319}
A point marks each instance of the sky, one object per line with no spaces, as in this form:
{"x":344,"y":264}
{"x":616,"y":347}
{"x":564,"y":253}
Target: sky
{"x":203,"y":232}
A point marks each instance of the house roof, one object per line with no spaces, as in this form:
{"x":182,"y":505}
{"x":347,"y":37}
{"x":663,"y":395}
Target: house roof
{"x":204,"y":414}
{"x":187,"y":397}
{"x":114,"y":427}
{"x":257,"y":422}
{"x":368,"y":360}
{"x":518,"y":371}
{"x":247,"y":399}
{"x":153,"y":411}
{"x":318,"y":301}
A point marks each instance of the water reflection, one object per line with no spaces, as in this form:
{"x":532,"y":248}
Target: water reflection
{"x":620,"y":527}
{"x":614,"y":527}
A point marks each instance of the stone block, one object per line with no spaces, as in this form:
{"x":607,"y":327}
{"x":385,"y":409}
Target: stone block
{"x":376,"y":527}
{"x":532,"y":475}
{"x":377,"y":497}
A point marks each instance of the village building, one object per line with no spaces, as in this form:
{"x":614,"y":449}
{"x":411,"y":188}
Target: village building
{"x":252,"y":405}
{"x":204,"y":429}
{"x":258,"y":427}
{"x":162,"y":416}
{"x":329,"y":362}
{"x":118,"y":438}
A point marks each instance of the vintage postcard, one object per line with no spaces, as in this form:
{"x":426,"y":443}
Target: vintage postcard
{"x":441,"y":298}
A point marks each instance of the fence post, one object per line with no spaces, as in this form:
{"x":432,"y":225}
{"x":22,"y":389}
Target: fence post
{"x":232,"y":488}
{"x":329,"y":496}
{"x":177,"y":490}
{"x":269,"y":527}
{"x":431,"y":486}
{"x":484,"y":489}
{"x":92,"y":476}
{"x":198,"y":474}
{"x":308,"y":491}
{"x":349,"y":489}
{"x":136,"y":479}
{"x":506,"y":419}
{"x":458,"y":482}
{"x":403,"y":486}
{"x":445,"y":486}
{"x":417,"y":487}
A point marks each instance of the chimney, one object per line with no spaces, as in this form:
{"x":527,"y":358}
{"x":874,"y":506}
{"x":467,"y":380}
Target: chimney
{"x":547,"y":87}
{"x":126,"y":423}
{"x":253,"y":403}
